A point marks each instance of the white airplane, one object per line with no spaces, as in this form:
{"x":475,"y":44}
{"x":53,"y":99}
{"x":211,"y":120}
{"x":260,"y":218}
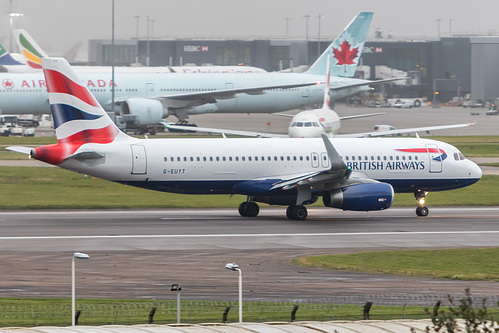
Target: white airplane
{"x":318,"y":122}
{"x":32,"y":54}
{"x":350,"y":174}
{"x":154,"y":96}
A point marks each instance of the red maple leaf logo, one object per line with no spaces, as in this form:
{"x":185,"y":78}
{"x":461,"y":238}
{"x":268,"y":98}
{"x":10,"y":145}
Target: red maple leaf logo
{"x":8,"y":84}
{"x":344,"y":55}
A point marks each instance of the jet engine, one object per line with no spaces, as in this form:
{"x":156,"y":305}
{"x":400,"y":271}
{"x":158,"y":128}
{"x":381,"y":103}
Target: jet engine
{"x":360,"y":197}
{"x":148,"y":111}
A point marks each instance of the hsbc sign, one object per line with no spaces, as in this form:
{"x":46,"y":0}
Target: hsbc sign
{"x":195,"y":48}
{"x":372,"y":49}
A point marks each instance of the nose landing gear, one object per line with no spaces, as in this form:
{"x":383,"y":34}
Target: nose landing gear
{"x":421,"y":210}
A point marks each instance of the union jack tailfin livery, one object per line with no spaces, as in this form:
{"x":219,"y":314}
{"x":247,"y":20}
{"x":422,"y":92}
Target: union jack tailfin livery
{"x":78,"y":117}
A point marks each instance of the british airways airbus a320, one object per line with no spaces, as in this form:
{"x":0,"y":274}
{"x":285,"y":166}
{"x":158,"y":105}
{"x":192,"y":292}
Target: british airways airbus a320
{"x":350,"y":174}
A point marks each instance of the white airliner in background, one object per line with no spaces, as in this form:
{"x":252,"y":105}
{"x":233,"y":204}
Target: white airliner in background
{"x":318,"y":122}
{"x":33,"y":54}
{"x":154,"y":96}
{"x":350,"y":174}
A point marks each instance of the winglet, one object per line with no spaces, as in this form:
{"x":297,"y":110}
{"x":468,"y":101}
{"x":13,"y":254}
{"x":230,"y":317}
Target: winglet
{"x":334,"y":157}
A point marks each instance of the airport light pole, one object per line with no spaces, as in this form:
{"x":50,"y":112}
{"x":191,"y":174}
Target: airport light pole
{"x":178,"y":289}
{"x":148,"y":42}
{"x":11,"y":22}
{"x":319,"y":37}
{"x":137,"y":34}
{"x":306,"y":36}
{"x":287,"y":26}
{"x":76,"y":255}
{"x":235,"y":267}
{"x":438,"y":26}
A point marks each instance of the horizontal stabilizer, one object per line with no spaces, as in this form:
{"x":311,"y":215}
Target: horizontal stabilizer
{"x":86,"y":155}
{"x":22,"y":150}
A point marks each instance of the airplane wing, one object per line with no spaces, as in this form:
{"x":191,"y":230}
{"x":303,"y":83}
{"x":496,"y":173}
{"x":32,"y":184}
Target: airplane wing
{"x":225,"y":132}
{"x":403,"y":131}
{"x":365,"y":83}
{"x":200,"y":98}
{"x":361,"y":115}
{"x":339,"y":175}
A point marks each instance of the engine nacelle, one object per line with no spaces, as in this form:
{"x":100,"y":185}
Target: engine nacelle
{"x":360,"y":197}
{"x":148,"y":111}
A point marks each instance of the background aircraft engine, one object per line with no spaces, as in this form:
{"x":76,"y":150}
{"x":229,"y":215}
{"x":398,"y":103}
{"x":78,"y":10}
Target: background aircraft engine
{"x":148,"y":111}
{"x":361,"y":197}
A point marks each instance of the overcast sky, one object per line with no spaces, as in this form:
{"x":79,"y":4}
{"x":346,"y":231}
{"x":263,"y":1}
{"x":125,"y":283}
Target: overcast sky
{"x":58,"y":24}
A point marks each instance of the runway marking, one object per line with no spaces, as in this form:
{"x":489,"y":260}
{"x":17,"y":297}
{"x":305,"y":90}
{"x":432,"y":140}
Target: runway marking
{"x":254,"y":235}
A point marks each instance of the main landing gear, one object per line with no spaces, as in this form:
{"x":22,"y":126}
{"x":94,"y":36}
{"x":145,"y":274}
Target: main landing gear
{"x":297,"y":212}
{"x":249,"y":209}
{"x":294,"y":212}
{"x":421,"y":210}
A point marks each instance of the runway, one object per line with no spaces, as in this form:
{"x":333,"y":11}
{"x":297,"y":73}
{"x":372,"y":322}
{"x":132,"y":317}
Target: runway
{"x":138,"y":254}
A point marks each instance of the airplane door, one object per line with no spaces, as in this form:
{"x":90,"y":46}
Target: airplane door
{"x":435,"y":158}
{"x":324,"y":160}
{"x":149,"y":89}
{"x":139,"y":160}
{"x":314,"y":157}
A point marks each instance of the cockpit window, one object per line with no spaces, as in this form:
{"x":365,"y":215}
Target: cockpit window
{"x":299,"y":124}
{"x":459,"y":157}
{"x":293,"y":124}
{"x":308,"y":124}
{"x":315,"y":124}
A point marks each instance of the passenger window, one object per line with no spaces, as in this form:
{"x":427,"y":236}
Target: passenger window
{"x":237,"y":158}
{"x":391,"y":158}
{"x":410,"y":157}
{"x":218,"y":158}
{"x":223,"y":158}
{"x":211,"y":158}
{"x":204,"y":158}
{"x":172,"y":159}
{"x":185,"y":159}
{"x":353,"y":158}
{"x":243,"y":158}
{"x":282,"y":158}
{"x":346,"y":158}
{"x":256,"y":158}
{"x":178,"y":158}
{"x":397,"y":158}
{"x":249,"y":158}
{"x":288,"y":158}
{"x":198,"y":159}
{"x":416,"y":158}
{"x":166,"y":158}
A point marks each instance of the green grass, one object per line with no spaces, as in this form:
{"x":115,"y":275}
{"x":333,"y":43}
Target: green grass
{"x":54,"y":188}
{"x":458,"y":264}
{"x":473,"y":146}
{"x":51,"y":188}
{"x":57,"y":312}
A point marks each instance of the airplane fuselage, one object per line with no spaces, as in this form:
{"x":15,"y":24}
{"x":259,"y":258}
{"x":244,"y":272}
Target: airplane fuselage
{"x":26,"y":92}
{"x":251,"y":166}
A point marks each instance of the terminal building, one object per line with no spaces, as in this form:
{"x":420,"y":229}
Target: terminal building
{"x":439,"y":69}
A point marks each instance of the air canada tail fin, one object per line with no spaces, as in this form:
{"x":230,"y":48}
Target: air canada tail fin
{"x":346,"y":49}
{"x":78,"y":117}
{"x":29,"y":48}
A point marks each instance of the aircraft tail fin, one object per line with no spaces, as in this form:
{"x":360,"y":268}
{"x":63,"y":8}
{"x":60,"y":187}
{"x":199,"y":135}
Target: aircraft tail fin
{"x":346,"y":48}
{"x":78,"y":117}
{"x":6,"y":58}
{"x":29,"y":48}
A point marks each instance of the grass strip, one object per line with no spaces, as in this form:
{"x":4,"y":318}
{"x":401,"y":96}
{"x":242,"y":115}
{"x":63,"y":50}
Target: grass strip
{"x":54,"y":188}
{"x":456,"y":264}
{"x":57,"y":312}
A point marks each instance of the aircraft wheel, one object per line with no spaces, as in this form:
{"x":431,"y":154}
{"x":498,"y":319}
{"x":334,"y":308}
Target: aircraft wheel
{"x":298,"y":213}
{"x":251,"y":209}
{"x":422,"y":211}
{"x":242,"y":208}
